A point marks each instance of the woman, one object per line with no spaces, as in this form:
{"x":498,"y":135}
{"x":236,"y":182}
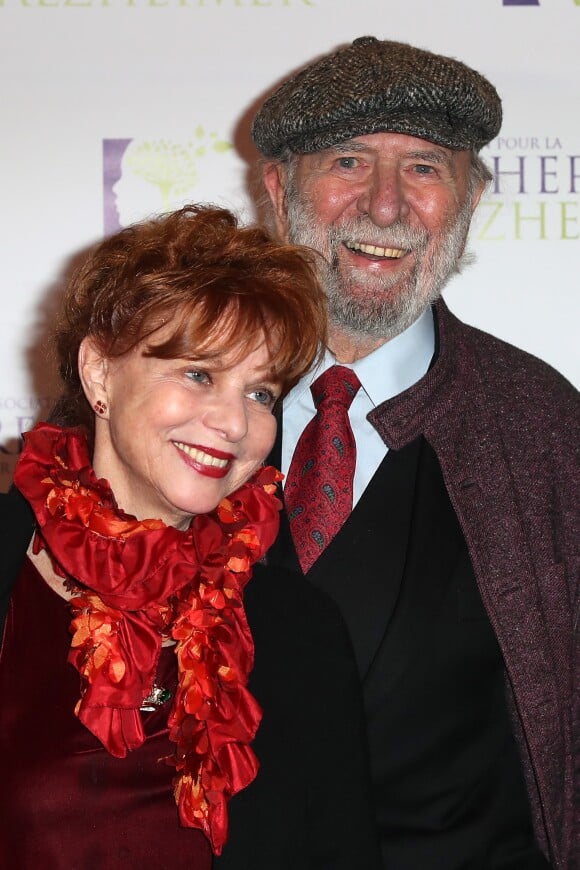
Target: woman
{"x":144,"y":506}
{"x":124,"y":553}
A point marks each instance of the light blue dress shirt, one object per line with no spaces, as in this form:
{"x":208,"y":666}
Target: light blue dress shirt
{"x":384,"y":373}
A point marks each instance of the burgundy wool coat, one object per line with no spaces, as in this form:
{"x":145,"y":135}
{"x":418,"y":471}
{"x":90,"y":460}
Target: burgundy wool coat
{"x":504,"y":426}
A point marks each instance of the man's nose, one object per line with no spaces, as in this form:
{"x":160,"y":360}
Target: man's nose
{"x":383,"y":198}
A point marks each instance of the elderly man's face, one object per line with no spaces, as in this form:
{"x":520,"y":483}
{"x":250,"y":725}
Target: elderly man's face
{"x":390,"y":214}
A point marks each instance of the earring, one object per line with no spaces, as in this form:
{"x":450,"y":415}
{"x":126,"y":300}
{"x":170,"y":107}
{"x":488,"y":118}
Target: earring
{"x":100,"y":407}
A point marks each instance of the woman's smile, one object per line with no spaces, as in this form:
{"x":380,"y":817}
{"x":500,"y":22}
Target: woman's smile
{"x":206,"y":460}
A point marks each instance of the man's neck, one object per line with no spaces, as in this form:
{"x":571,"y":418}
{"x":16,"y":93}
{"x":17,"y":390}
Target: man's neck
{"x":348,"y":348}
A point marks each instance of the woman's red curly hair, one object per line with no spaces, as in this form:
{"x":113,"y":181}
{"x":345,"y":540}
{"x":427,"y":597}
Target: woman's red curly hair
{"x":224,"y":286}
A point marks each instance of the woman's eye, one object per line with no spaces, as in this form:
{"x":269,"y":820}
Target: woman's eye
{"x":198,"y":376}
{"x":263,"y":397}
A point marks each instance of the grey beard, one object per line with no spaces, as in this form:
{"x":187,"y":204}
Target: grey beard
{"x":394,"y":302}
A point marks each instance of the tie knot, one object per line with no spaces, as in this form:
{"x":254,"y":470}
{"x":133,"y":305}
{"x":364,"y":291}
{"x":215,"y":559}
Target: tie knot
{"x":338,"y":384}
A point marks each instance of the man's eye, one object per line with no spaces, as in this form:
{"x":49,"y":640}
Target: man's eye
{"x":423,"y":169}
{"x":198,"y":376}
{"x":263,"y":397}
{"x":348,"y":162}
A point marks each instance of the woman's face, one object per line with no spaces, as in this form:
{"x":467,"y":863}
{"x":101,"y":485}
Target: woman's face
{"x":178,"y":435}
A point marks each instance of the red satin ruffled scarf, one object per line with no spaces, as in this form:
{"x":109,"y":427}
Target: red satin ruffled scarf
{"x":138,"y":582}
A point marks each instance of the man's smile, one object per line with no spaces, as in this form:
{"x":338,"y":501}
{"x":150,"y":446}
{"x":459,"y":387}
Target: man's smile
{"x":376,"y":250}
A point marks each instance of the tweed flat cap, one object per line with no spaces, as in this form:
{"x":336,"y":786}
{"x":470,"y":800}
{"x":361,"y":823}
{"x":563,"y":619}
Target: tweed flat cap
{"x":374,"y":86}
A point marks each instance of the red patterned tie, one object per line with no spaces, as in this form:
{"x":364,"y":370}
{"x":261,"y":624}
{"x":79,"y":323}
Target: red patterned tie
{"x":318,"y":491}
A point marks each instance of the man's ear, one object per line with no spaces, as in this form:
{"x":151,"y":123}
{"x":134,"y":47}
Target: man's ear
{"x":274,"y":176}
{"x":93,"y":367}
{"x":477,"y":195}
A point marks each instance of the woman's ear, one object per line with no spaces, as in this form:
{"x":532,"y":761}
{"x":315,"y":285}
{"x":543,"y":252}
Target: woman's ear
{"x":93,"y":367}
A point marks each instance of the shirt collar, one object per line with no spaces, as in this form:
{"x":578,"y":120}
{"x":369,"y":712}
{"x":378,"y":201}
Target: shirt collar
{"x":390,"y":369}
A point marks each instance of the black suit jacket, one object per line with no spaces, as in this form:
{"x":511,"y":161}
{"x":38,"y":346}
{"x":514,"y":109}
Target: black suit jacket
{"x":431,"y":674}
{"x":310,"y":805}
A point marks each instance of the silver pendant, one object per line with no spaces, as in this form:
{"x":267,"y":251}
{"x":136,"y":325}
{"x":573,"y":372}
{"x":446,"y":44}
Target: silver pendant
{"x":156,"y":697}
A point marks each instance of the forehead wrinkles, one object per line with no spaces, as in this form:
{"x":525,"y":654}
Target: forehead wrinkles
{"x":392,"y":151}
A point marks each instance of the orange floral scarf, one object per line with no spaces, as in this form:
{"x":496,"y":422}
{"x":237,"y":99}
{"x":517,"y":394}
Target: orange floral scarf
{"x":137,"y":582}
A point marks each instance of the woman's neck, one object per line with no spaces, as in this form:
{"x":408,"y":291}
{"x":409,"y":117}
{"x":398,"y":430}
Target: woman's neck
{"x":43,"y":564}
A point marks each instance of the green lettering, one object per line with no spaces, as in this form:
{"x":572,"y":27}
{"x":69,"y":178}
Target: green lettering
{"x":566,"y":218}
{"x":521,"y":218}
{"x":218,"y":2}
{"x":495,"y":210}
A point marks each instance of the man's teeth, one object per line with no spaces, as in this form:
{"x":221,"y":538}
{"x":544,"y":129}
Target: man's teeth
{"x":200,"y":456}
{"x":376,"y":251}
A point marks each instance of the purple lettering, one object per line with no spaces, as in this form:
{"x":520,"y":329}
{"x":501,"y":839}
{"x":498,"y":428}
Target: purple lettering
{"x":497,"y":174}
{"x":544,"y":174}
{"x":573,"y":174}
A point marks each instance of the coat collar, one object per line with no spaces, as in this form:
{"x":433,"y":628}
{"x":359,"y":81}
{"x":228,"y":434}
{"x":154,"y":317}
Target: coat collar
{"x":402,"y":419}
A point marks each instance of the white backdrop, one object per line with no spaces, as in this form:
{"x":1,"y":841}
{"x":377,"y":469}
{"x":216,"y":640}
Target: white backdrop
{"x":115,"y":109}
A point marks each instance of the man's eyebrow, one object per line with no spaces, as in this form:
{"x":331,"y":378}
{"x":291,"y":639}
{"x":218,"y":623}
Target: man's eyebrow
{"x":433,"y":155}
{"x":344,"y":147}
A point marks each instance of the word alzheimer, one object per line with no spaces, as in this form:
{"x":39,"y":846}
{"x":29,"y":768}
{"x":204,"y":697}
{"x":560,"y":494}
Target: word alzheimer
{"x":155,"y":3}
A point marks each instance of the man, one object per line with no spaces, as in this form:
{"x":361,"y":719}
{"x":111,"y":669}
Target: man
{"x":453,"y":564}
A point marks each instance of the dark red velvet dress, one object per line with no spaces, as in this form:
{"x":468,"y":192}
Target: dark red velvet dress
{"x":65,"y":802}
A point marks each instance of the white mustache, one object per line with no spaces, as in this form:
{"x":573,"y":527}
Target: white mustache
{"x":397,"y":235}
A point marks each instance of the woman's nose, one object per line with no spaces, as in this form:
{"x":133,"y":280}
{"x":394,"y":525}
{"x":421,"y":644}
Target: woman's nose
{"x":228,"y":417}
